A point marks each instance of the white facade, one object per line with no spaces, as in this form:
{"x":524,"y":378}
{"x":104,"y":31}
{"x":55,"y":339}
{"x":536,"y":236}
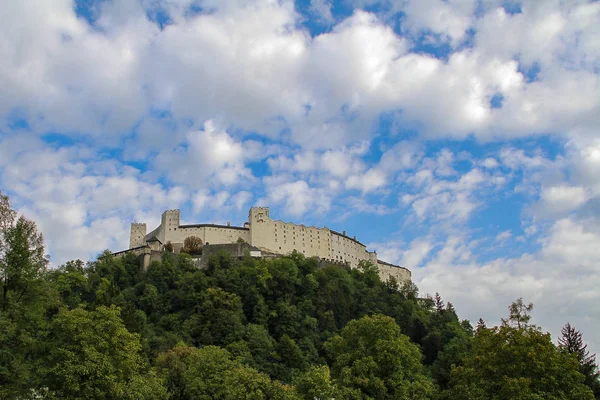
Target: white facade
{"x":271,"y":236}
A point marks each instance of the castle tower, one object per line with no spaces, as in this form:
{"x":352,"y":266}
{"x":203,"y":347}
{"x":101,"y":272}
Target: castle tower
{"x":260,"y":225}
{"x":169,"y":222}
{"x":137,"y":235}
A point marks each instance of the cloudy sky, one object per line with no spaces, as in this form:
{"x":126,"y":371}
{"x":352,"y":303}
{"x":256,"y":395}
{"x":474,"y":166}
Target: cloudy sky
{"x":459,"y":138}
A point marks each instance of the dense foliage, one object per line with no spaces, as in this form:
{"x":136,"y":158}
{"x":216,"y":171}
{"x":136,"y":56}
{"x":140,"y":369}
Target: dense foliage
{"x":285,"y":328}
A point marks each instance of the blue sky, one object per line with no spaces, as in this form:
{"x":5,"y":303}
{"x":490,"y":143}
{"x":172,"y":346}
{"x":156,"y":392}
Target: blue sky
{"x":457,"y":138}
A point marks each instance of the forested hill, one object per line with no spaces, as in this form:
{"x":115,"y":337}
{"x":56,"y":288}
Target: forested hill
{"x":284,"y":328}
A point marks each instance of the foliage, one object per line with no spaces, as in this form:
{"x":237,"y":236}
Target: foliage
{"x":26,"y":299}
{"x":93,"y":356}
{"x":516,"y":361}
{"x":212,"y":373}
{"x":372,"y":357}
{"x":192,"y":245}
{"x":571,"y":341}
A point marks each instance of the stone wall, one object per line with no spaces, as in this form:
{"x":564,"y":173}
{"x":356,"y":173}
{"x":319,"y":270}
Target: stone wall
{"x":386,"y":270}
{"x":284,"y":237}
{"x":137,"y":235}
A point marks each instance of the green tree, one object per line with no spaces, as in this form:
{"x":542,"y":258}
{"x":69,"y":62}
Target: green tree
{"x":571,"y":341}
{"x":23,"y":261}
{"x":93,"y":356}
{"x":218,"y":319}
{"x":212,"y":373}
{"x":316,"y":384}
{"x":371,"y":356}
{"x":516,"y":361}
{"x":172,"y":366}
{"x":71,"y":282}
{"x":7,"y":214}
{"x":25,"y":301}
{"x":519,"y":314}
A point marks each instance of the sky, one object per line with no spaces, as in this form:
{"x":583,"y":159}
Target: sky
{"x":458,"y":138}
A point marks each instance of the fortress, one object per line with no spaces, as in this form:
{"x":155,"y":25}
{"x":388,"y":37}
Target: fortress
{"x":264,"y":236}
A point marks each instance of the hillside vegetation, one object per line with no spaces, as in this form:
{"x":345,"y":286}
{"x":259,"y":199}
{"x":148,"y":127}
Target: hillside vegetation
{"x":285,"y":328}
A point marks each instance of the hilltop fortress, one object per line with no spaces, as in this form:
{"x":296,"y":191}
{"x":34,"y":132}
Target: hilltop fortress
{"x":263,"y":236}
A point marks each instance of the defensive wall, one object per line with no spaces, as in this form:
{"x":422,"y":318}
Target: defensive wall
{"x":267,"y":236}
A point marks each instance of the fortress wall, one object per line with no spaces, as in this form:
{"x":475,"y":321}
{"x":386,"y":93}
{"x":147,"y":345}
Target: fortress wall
{"x":223,"y":235}
{"x":285,"y":237}
{"x":212,"y":234}
{"x":348,"y":250}
{"x":386,"y":270}
{"x":178,"y":235}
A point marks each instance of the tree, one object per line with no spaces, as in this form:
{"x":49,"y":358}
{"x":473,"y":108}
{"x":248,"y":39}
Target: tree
{"x":439,"y":303}
{"x":93,"y":356}
{"x":218,"y":320}
{"x":571,"y":341}
{"x":519,"y":314}
{"x":192,"y":245}
{"x":25,"y":299}
{"x":372,"y":357}
{"x":173,"y":365}
{"x":23,"y":261}
{"x":212,"y":373}
{"x":7,"y":214}
{"x":516,"y":361}
{"x":316,"y":384}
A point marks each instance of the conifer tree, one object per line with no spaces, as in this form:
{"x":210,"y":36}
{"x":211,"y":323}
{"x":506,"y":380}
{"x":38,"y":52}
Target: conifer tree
{"x":571,"y":341}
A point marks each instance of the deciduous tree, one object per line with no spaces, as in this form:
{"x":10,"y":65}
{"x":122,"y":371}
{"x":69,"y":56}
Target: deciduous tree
{"x":372,"y":356}
{"x":93,"y":356}
{"x":516,"y":361}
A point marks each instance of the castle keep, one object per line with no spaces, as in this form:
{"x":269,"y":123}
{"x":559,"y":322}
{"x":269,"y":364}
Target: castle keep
{"x":265,"y":236}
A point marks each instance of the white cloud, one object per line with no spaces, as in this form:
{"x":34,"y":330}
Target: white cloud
{"x":208,"y":156}
{"x":367,"y":181}
{"x":563,"y":198}
{"x":418,"y":250}
{"x":451,"y":19}
{"x":298,"y":197}
{"x":503,"y":236}
{"x":322,"y":10}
